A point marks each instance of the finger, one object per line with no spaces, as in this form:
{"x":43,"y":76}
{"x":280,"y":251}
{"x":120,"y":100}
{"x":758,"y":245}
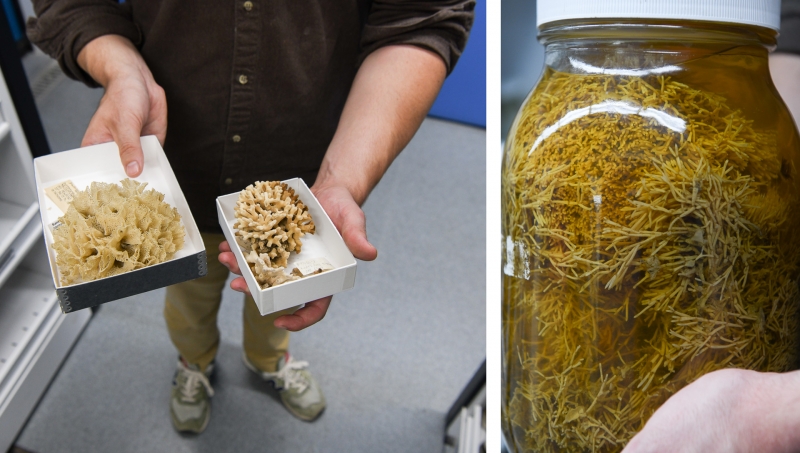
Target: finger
{"x":126,"y":135}
{"x":354,"y":233}
{"x":157,"y":118}
{"x":307,"y":316}
{"x":224,"y":246}
{"x":239,"y":284}
{"x":96,"y":133}
{"x":228,"y":259}
{"x":95,"y":138}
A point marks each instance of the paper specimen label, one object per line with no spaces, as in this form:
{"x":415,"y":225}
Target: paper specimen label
{"x":62,"y":194}
{"x":313,"y":266}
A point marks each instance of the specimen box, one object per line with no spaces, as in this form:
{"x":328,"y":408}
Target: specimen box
{"x":326,"y":244}
{"x":101,"y":163}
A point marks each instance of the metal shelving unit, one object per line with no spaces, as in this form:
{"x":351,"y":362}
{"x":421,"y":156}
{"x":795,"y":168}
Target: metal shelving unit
{"x":35,"y":336}
{"x":465,"y":424}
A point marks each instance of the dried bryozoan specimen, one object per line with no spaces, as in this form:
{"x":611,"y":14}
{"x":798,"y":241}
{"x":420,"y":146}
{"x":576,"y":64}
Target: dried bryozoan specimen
{"x":270,"y":220}
{"x":109,"y":229}
{"x":651,"y":237}
{"x":261,"y":265}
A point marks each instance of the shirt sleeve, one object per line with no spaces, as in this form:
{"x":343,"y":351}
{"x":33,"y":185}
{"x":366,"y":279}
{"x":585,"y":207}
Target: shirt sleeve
{"x":789,"y":38}
{"x":439,"y":26}
{"x":63,"y":27}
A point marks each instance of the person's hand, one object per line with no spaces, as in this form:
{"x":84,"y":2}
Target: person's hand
{"x":133,"y":104}
{"x":310,"y":314}
{"x":347,"y":216}
{"x":349,"y":219}
{"x":726,"y":411}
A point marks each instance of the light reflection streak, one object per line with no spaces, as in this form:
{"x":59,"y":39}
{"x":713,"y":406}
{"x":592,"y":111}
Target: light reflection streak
{"x":623,"y":108}
{"x":591,"y":69}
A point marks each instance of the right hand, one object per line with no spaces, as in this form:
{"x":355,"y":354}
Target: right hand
{"x":311,"y":313}
{"x":133,"y":104}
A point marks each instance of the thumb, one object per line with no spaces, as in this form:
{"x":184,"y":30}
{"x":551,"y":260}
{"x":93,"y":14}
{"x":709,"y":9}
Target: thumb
{"x":130,"y":151}
{"x":354,"y":233}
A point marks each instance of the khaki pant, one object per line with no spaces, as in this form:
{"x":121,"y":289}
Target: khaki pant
{"x":191,"y":314}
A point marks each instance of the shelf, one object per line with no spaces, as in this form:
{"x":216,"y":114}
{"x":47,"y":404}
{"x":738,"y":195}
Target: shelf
{"x":10,"y":216}
{"x":16,"y":170}
{"x":19,"y":230}
{"x":35,"y":336}
{"x":4,"y":128}
{"x":25,"y":300}
{"x":21,"y":390}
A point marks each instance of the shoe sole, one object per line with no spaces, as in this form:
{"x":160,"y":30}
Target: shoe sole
{"x":255,"y":370}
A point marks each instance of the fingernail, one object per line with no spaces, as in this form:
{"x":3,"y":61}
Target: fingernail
{"x":132,"y":169}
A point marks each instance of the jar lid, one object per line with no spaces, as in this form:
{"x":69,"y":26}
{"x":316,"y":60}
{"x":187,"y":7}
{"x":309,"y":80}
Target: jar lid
{"x":762,"y":13}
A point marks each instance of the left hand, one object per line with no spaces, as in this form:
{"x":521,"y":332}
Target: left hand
{"x":349,"y":219}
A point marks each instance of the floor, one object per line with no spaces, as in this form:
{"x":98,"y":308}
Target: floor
{"x":392,"y":354}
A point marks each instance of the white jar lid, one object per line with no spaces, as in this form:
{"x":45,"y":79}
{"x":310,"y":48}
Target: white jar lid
{"x":762,"y":13}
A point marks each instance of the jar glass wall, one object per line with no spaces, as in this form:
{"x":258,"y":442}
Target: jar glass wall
{"x":651,"y":227}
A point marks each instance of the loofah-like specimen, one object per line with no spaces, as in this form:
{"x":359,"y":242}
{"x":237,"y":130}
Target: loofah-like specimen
{"x":271,"y":219}
{"x":110,"y":229}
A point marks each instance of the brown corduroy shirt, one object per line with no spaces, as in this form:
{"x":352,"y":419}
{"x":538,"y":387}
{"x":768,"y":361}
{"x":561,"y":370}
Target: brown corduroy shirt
{"x":254,"y":88}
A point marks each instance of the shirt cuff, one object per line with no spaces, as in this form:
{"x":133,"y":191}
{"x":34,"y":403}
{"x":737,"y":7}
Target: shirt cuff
{"x":443,"y":30}
{"x":68,"y":41}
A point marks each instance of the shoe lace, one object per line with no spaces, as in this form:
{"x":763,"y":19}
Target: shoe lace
{"x":192,"y":382}
{"x":290,"y":375}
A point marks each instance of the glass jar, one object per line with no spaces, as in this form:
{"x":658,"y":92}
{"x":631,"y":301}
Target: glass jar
{"x":651,"y":226}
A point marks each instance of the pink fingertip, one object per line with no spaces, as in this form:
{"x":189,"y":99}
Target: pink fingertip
{"x":132,"y":169}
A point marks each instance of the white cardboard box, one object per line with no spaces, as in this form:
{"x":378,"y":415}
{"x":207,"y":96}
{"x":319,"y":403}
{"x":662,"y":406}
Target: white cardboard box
{"x":326,"y":242}
{"x":101,"y":163}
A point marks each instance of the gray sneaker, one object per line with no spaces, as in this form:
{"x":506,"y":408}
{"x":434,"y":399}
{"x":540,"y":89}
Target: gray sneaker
{"x":190,"y":405}
{"x":299,"y":391}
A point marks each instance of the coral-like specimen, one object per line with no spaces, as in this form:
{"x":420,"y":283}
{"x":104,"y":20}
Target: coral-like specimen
{"x":270,"y":220}
{"x":266,"y":275}
{"x":109,"y":229}
{"x":646,"y":245}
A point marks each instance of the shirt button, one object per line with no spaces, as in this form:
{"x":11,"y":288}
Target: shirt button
{"x":228,"y":181}
{"x":248,"y":6}
{"x":237,"y":139}
{"x":243,"y":79}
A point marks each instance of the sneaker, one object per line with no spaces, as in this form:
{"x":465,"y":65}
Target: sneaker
{"x":299,"y":391}
{"x":190,"y":405}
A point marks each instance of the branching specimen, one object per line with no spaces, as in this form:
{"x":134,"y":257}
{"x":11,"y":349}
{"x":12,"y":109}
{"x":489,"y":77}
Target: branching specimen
{"x":642,"y":252}
{"x":110,"y":229}
{"x":271,"y":219}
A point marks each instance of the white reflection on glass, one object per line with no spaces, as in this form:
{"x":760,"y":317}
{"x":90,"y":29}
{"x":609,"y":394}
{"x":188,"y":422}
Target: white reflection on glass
{"x":623,"y":108}
{"x":591,"y":69}
{"x":516,"y":250}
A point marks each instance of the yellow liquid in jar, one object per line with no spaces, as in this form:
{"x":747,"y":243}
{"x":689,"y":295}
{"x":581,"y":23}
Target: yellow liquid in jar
{"x":651,"y":235}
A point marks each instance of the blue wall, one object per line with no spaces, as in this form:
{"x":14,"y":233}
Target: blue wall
{"x":13,"y":22}
{"x":463,"y":96}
